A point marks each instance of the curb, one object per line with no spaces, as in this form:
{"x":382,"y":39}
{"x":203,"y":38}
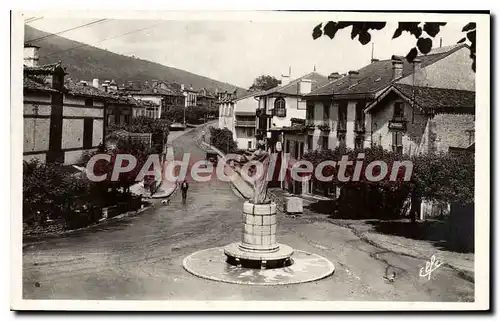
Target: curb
{"x":32,"y":239}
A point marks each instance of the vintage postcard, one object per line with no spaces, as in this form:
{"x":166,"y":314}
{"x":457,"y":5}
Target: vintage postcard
{"x":250,"y":161}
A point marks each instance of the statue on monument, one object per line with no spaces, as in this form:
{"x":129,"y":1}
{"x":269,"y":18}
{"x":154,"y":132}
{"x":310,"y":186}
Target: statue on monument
{"x":258,"y":180}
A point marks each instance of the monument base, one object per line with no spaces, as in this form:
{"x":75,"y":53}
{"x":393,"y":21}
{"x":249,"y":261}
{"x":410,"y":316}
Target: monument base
{"x":258,"y":247}
{"x":239,"y":256}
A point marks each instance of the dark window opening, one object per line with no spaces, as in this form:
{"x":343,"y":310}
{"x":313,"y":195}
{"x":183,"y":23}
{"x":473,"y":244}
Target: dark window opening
{"x":360,"y":117}
{"x":324,"y":142}
{"x":88,"y":129}
{"x":342,"y":123}
{"x":310,"y":113}
{"x":341,"y":140}
{"x":398,"y":111}
{"x":89,"y":102}
{"x":326,"y":112}
{"x":358,"y":142}
{"x":309,"y":142}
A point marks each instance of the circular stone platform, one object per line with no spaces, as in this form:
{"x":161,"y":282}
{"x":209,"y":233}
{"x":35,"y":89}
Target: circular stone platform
{"x":211,"y":264}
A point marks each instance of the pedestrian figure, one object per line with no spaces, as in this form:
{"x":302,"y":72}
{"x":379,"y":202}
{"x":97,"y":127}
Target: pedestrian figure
{"x":184,"y":189}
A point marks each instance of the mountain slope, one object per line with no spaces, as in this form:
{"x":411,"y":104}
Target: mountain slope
{"x":85,"y":62}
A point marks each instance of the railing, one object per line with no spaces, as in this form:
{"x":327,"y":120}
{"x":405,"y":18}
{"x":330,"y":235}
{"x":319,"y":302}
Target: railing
{"x":245,"y":123}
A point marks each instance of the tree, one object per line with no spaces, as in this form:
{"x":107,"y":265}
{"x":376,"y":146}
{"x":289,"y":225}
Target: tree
{"x":422,"y":31}
{"x":264,"y":82}
{"x":223,"y":139}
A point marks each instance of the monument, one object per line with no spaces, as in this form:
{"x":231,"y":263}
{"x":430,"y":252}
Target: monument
{"x":257,"y":259}
{"x":258,"y":247}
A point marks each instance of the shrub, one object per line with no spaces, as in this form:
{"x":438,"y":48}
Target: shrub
{"x":194,"y":115}
{"x":223,"y":139}
{"x":441,"y":177}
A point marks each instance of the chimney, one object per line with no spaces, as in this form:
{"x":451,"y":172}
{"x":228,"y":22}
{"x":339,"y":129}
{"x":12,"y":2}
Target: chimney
{"x":113,"y":86}
{"x":397,"y":67}
{"x":334,"y":76}
{"x":353,"y":75}
{"x":375,"y":60}
{"x":305,"y":86}
{"x":182,"y":87}
{"x":417,"y":63}
{"x":31,"y":55}
{"x":95,"y":83}
{"x":105,"y":87}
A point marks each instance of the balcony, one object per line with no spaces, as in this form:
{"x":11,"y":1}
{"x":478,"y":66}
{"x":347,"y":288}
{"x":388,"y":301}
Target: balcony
{"x":245,"y":123}
{"x":324,"y":126}
{"x":397,"y":124}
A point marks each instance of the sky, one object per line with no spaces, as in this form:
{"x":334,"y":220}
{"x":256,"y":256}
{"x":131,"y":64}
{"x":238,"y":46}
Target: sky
{"x":239,"y":51}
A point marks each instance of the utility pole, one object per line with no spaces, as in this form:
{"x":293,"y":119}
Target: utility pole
{"x":184,"y":117}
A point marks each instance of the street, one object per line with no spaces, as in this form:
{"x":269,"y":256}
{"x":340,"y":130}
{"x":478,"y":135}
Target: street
{"x":141,"y":257}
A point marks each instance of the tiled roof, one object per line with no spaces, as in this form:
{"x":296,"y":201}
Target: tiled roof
{"x":438,"y":99}
{"x":31,"y":84}
{"x":44,"y":69}
{"x":239,"y":96}
{"x":292,"y":88}
{"x":378,"y":75}
{"x":73,"y":88}
{"x":168,"y":90}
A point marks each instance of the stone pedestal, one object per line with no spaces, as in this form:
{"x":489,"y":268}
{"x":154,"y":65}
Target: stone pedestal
{"x":258,"y":247}
{"x":293,"y":205}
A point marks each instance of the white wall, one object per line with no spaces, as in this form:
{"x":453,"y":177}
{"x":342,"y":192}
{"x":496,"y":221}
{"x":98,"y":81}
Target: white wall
{"x":452,"y":72}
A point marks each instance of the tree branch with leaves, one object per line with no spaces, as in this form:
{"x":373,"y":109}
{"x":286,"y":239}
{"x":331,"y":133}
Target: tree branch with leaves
{"x":422,"y":31}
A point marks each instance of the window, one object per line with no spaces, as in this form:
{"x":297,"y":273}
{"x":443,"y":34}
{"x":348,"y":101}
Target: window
{"x":111,"y":119}
{"x":358,"y":142}
{"x":341,"y":139}
{"x":398,"y":111}
{"x":324,"y":142}
{"x":249,"y":145}
{"x":89,"y":102}
{"x":296,"y":152}
{"x":309,"y":142}
{"x":250,"y":132}
{"x":88,"y":130}
{"x":326,"y":112}
{"x":470,"y":134}
{"x":342,"y":124}
{"x":310,"y":113}
{"x":360,"y":117}
{"x":279,"y":107}
{"x":397,"y":142}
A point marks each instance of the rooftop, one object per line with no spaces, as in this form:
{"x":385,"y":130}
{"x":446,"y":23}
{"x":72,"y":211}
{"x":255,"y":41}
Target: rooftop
{"x":438,"y":99}
{"x":378,"y":75}
{"x":292,"y":88}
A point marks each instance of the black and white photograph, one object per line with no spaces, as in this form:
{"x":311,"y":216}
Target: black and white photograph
{"x":257,"y":160}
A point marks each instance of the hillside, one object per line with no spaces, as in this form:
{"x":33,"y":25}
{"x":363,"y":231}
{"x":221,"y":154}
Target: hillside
{"x":87,"y":62}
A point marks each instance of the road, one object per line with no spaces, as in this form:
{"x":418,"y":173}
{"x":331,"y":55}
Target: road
{"x":141,"y":257}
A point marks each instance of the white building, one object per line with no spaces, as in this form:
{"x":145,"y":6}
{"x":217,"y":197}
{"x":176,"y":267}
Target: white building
{"x":238,"y":115}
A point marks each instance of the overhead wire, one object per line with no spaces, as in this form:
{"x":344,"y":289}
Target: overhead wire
{"x":110,"y":38}
{"x":63,"y":31}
